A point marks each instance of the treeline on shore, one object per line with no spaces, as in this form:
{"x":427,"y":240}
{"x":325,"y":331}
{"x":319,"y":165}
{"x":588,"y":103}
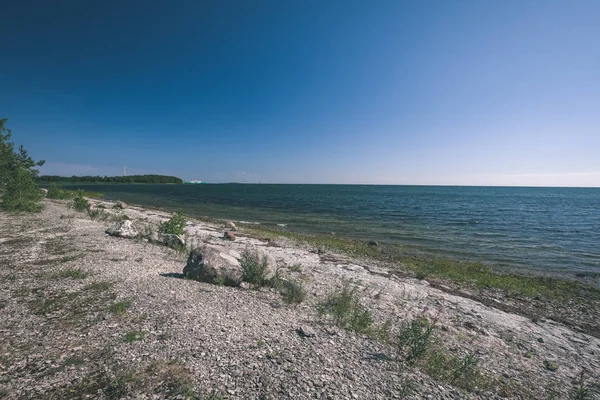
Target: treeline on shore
{"x":110,"y":179}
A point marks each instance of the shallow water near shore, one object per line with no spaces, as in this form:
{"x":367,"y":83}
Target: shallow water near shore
{"x":551,"y":230}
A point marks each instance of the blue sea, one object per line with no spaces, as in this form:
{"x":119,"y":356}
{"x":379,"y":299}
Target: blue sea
{"x":547,"y":230}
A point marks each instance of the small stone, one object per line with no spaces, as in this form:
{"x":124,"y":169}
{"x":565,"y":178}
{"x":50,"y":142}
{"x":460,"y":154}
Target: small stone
{"x":229,"y":236}
{"x":121,"y":205}
{"x":373,"y":243}
{"x":306,"y":331}
{"x":230,"y":225}
{"x":541,"y":340}
{"x":470,"y":325}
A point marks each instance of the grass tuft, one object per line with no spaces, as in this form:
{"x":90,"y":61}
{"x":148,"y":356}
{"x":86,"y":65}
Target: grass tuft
{"x":414,"y":339}
{"x":119,"y":308}
{"x":345,"y":308}
{"x":74,"y":273}
{"x":292,"y":292}
{"x":254,"y":268}
{"x":133,"y":336}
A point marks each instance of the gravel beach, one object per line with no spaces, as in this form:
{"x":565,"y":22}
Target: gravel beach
{"x":88,"y":315}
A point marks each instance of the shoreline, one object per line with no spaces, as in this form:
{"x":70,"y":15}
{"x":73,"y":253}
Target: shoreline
{"x":566,"y":264}
{"x":393,"y":253}
{"x":243,"y":343}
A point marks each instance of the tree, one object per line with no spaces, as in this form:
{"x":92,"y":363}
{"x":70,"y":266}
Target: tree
{"x":18,"y":172}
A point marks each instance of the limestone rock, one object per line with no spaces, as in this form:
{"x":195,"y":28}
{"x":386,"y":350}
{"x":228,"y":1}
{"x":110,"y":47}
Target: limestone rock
{"x":44,"y":191}
{"x":229,"y":236}
{"x":121,"y":205}
{"x":123,"y":229}
{"x":207,"y":262}
{"x":306,"y":331}
{"x":230,"y":225}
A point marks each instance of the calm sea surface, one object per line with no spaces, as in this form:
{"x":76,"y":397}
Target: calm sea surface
{"x":555,"y":230}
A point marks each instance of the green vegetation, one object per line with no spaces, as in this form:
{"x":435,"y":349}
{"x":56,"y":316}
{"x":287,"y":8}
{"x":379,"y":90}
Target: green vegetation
{"x":475,"y":274}
{"x":550,"y":365}
{"x":458,"y":371}
{"x":133,"y":336}
{"x":345,"y":308}
{"x":57,"y":192}
{"x":414,"y":339}
{"x":582,"y":391}
{"x":175,"y":225}
{"x":119,"y":308}
{"x":80,"y":203}
{"x":111,"y":179}
{"x":18,"y":189}
{"x":291,"y":291}
{"x":254,"y":268}
{"x":74,"y":273}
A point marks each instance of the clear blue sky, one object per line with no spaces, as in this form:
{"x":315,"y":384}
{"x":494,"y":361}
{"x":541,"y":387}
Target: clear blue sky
{"x":402,"y":92}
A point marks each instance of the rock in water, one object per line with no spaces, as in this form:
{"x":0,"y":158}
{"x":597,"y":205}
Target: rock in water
{"x":229,"y":236}
{"x":208,"y":262}
{"x":173,"y":241}
{"x":231,"y":225}
{"x":123,"y":229}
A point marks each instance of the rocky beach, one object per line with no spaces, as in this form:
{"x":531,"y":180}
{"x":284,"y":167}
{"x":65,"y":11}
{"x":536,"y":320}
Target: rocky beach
{"x":87,"y":314}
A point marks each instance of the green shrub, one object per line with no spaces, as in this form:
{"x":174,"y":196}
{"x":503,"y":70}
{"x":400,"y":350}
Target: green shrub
{"x":254,"y":268}
{"x":80,"y":203}
{"x":133,"y":336}
{"x":582,"y":391}
{"x":175,"y":225}
{"x":98,"y":213}
{"x":550,"y":365}
{"x":346,"y":310}
{"x":292,"y":292}
{"x":459,"y":371}
{"x":56,"y":192}
{"x":414,"y":339}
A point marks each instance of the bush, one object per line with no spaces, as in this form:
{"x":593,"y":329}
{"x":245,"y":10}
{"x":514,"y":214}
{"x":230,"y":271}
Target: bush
{"x":346,"y":310}
{"x":56,"y":192}
{"x":459,"y":371}
{"x":80,"y":203}
{"x":254,"y":268}
{"x":175,"y":225}
{"x":292,"y":292}
{"x":414,"y":339}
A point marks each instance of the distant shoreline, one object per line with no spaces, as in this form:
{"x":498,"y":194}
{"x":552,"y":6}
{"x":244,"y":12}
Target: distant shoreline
{"x":61,"y":183}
